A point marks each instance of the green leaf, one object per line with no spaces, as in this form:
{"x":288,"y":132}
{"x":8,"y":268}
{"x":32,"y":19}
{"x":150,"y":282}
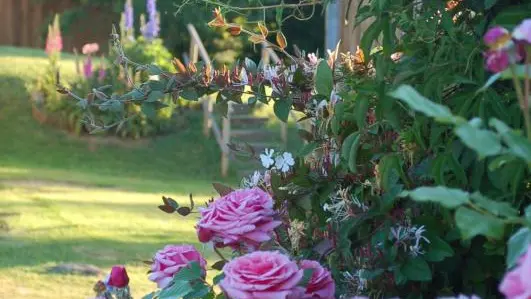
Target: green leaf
{"x":439,"y":250}
{"x":518,"y":145}
{"x":324,"y":79}
{"x":490,"y":3}
{"x":150,"y":295}
{"x":353,"y":153}
{"x":307,"y":149}
{"x":495,"y":207}
{"x":250,"y":66}
{"x":361,"y":108}
{"x":189,"y":94}
{"x":178,"y":289}
{"x":472,"y":223}
{"x":484,"y":142}
{"x":218,"y":278}
{"x":199,"y":290}
{"x":417,"y":269}
{"x":347,"y":145}
{"x":306,"y":276}
{"x":154,"y":96}
{"x":417,"y":102}
{"x":400,"y":278}
{"x":517,"y":246}
{"x":367,"y":39}
{"x":150,"y":108}
{"x":219,"y":265}
{"x":447,"y":197}
{"x":154,"y":70}
{"x":281,"y":109}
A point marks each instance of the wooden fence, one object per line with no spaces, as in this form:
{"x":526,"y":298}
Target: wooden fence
{"x":23,"y":23}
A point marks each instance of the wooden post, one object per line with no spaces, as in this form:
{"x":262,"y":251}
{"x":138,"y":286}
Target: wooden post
{"x":208,"y":107}
{"x":340,"y":26}
{"x":226,"y":140}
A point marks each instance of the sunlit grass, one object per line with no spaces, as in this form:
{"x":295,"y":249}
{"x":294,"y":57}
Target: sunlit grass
{"x":52,"y":224}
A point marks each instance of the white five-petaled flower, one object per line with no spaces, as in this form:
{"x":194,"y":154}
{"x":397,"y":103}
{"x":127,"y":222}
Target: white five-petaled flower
{"x":267,"y":158}
{"x":284,"y":162}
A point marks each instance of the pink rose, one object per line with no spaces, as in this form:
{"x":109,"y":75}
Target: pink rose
{"x":261,"y":275}
{"x":321,"y":285}
{"x":168,"y":261}
{"x":118,"y":277}
{"x":516,"y":283}
{"x":242,"y":218}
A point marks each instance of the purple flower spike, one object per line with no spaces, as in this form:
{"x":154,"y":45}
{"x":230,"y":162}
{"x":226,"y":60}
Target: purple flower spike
{"x":496,"y":61}
{"x":523,"y":32}
{"x":87,"y":67}
{"x":152,"y":27}
{"x":129,"y":15}
{"x":497,"y":38}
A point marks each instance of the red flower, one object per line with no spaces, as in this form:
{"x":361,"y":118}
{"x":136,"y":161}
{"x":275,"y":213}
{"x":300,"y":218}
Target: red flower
{"x":118,"y":277}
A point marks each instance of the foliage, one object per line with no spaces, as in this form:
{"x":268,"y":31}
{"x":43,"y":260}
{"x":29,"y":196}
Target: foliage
{"x":399,"y":195}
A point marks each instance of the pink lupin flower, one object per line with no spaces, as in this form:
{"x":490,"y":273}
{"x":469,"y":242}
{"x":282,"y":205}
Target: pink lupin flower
{"x":522,"y":32}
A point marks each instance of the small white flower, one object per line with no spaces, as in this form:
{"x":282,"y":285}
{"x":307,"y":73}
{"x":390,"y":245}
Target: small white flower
{"x":267,"y":158}
{"x":284,"y":162}
{"x":312,"y":58}
{"x":252,"y":181}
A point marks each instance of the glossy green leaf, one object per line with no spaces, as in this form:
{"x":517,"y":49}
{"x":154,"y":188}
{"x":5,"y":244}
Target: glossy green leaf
{"x":447,"y":197}
{"x":281,"y":109}
{"x":361,"y":109}
{"x":498,"y":208}
{"x":417,"y":102}
{"x":347,"y":145}
{"x":178,"y":289}
{"x":484,"y":142}
{"x":154,"y":96}
{"x":490,"y":3}
{"x":324,"y":79}
{"x":353,"y":153}
{"x":518,"y":245}
{"x":438,"y":250}
{"x":472,"y":223}
{"x":416,"y":269}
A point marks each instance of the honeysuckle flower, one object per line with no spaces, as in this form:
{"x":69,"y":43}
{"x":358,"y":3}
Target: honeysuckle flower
{"x":523,"y":32}
{"x":270,"y":72}
{"x":409,"y":237}
{"x":497,"y":38}
{"x":219,"y":20}
{"x":252,"y":181}
{"x":312,"y":58}
{"x":267,"y":158}
{"x":284,"y":162}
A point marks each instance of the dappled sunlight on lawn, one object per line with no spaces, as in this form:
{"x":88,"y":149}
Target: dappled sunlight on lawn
{"x":52,"y":223}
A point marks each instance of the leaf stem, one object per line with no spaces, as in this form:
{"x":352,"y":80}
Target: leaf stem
{"x":522,"y":97}
{"x":216,"y":250}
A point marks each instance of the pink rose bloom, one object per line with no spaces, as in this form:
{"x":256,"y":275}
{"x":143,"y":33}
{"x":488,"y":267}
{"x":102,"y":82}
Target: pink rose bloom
{"x":168,"y":261}
{"x":461,"y":296}
{"x":118,"y":277}
{"x":261,"y":275}
{"x":496,"y":61}
{"x":497,"y":38}
{"x":90,"y":48}
{"x":523,"y":31}
{"x":241,"y":219}
{"x":321,"y":285}
{"x":517,"y":282}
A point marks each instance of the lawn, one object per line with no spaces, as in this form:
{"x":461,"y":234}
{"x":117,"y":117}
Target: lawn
{"x":65,"y":201}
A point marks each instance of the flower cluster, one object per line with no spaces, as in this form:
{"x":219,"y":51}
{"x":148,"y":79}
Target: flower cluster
{"x":505,"y":48}
{"x":409,"y":238}
{"x":281,"y":162}
{"x":152,"y":28}
{"x":242,"y":219}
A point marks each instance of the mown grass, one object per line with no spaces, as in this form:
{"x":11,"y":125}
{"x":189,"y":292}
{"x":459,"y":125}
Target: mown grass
{"x":66,"y":201}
